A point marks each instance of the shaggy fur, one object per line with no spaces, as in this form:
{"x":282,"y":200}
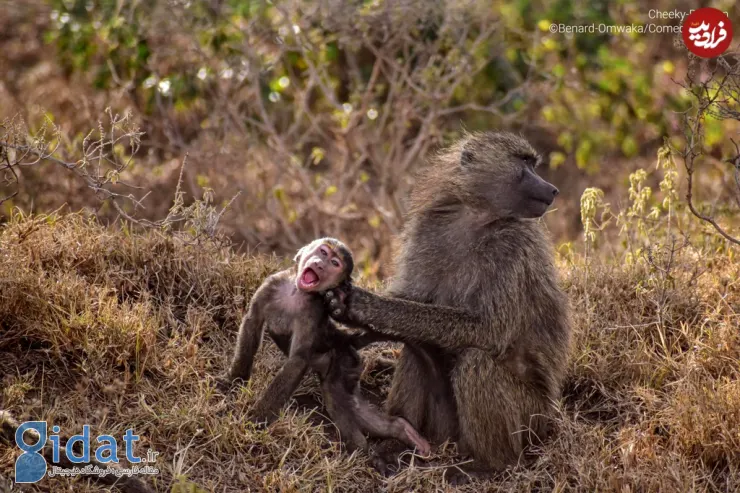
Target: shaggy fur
{"x":477,"y":301}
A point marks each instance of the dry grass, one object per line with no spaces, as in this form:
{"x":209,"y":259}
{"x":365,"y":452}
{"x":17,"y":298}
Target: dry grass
{"x":120,"y":329}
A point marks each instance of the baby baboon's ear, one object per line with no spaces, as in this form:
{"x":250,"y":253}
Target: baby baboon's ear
{"x":299,"y":254}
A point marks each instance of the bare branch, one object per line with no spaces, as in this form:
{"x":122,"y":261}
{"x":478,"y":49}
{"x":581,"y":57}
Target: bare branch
{"x":714,"y":86}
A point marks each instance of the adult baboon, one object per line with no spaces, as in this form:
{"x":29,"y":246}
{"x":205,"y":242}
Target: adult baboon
{"x":477,"y":302}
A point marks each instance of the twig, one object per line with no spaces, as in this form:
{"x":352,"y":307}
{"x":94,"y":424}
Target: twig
{"x":712,"y":97}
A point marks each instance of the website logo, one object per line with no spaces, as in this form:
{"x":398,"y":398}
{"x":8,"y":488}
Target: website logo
{"x":707,"y":32}
{"x":31,"y":465}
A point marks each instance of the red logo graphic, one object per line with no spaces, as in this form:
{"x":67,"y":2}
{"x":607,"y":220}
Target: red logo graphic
{"x":707,"y":32}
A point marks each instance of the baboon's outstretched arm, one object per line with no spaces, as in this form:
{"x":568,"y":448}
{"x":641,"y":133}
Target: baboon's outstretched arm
{"x":368,"y":337}
{"x":443,"y":326}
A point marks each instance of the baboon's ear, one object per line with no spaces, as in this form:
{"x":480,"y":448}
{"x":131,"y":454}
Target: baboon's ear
{"x":299,"y":254}
{"x":466,"y":156}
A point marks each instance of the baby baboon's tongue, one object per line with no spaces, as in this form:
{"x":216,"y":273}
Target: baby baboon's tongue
{"x":310,"y":277}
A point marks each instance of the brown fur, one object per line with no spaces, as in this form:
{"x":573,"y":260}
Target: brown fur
{"x":298,"y":323}
{"x":477,"y":301}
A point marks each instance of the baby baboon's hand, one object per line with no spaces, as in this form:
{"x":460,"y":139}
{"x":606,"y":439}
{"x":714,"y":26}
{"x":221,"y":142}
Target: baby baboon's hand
{"x":262,"y":418}
{"x":225,"y":383}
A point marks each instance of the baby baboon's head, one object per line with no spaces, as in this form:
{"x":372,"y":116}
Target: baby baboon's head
{"x":497,"y":171}
{"x":323,"y":264}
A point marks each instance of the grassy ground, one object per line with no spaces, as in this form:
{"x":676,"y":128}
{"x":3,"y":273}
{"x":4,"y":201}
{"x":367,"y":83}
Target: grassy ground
{"x":118,"y":330}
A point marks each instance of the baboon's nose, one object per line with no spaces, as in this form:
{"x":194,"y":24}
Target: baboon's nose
{"x":555,"y":192}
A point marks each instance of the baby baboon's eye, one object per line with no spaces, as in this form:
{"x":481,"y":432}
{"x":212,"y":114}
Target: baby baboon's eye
{"x":335,"y":262}
{"x":323,"y":251}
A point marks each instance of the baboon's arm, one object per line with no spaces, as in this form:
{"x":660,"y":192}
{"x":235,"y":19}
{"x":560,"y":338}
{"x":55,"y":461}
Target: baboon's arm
{"x":286,"y":381}
{"x":249,"y":338}
{"x":443,"y":326}
{"x":368,"y":337}
{"x":280,"y":390}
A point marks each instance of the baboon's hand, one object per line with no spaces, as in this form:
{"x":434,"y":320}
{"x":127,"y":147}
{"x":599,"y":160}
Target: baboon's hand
{"x":337,"y":300}
{"x":224,"y":383}
{"x":350,"y":306}
{"x":261,"y":417}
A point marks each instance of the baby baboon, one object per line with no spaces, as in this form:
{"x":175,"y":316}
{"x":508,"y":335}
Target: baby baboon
{"x":476,"y":301}
{"x":289,"y":306}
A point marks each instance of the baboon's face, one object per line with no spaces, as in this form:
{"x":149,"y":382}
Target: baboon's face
{"x":499,"y":169}
{"x":323,"y":264}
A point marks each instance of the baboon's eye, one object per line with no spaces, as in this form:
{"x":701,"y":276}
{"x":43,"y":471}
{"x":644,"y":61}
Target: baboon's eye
{"x":529,"y":160}
{"x":335,"y":262}
{"x":323,"y":251}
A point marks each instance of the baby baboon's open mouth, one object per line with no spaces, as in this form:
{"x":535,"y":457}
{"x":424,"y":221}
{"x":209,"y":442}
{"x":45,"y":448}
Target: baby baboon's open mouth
{"x":309,"y":278}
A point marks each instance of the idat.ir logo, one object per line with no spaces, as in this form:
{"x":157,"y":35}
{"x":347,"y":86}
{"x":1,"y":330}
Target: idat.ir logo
{"x":31,"y":465}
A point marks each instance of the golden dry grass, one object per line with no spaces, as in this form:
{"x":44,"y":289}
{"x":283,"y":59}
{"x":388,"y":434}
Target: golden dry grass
{"x":120,"y":329}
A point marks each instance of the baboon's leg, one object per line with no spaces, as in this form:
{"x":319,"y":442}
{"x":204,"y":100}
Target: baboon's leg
{"x":515,"y":414}
{"x":341,"y":408}
{"x":421,"y":394}
{"x":247,"y":343}
{"x":379,"y":424}
{"x":407,"y":397}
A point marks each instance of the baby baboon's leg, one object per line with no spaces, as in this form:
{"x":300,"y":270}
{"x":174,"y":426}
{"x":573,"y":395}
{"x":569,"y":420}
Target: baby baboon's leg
{"x":379,"y":424}
{"x":341,"y":408}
